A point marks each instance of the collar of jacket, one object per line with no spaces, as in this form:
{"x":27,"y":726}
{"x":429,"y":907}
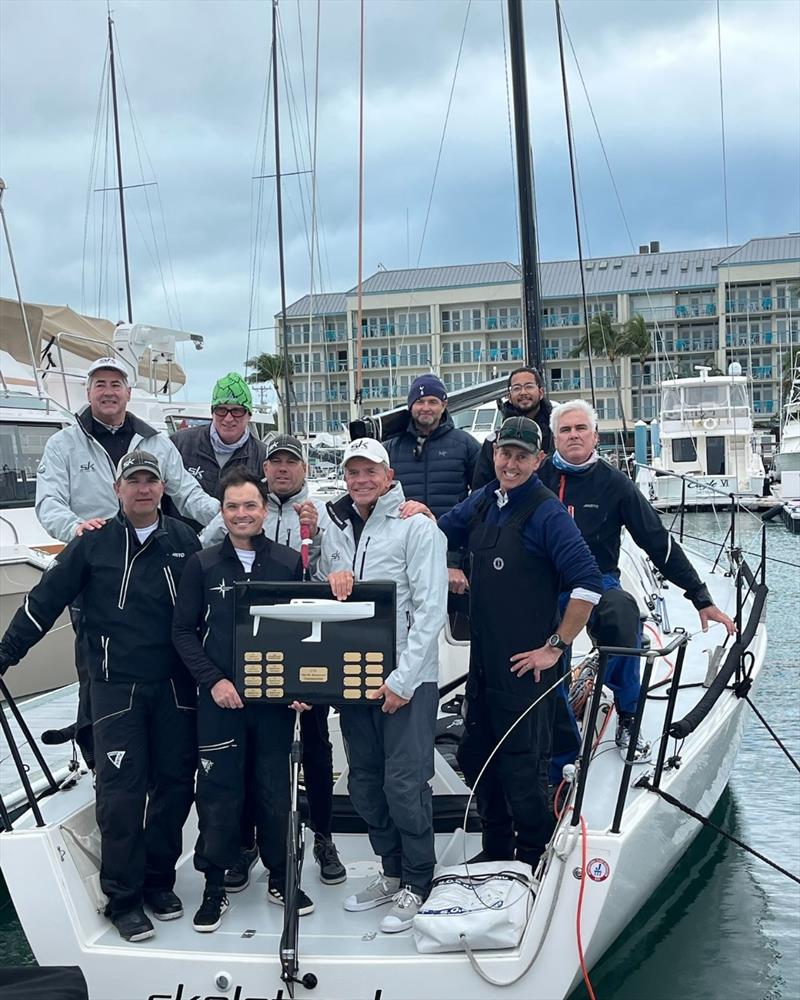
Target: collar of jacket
{"x":343,"y":510}
{"x":445,"y":424}
{"x":518,"y":493}
{"x":545,"y":409}
{"x":277,"y":503}
{"x":261,"y":546}
{"x":126,"y":525}
{"x":84,"y":418}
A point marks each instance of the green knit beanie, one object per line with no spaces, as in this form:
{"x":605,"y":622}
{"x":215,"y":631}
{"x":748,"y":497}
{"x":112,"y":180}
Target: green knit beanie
{"x":232,"y":390}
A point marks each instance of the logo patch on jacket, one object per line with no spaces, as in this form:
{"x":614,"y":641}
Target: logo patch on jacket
{"x":222,"y":589}
{"x":197,"y":472}
{"x":206,"y":764}
{"x":87,"y":467}
{"x":498,"y":563}
{"x":115,"y":756}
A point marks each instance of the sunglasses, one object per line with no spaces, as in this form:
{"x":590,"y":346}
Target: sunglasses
{"x":237,"y":412}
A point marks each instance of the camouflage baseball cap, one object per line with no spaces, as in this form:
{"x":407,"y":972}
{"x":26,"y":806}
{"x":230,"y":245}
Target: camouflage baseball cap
{"x":232,"y":390}
{"x":521,"y":432}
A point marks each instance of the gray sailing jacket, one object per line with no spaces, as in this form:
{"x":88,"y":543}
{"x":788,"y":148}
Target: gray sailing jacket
{"x":413,"y":554}
{"x":282,"y":524}
{"x":75,"y":479}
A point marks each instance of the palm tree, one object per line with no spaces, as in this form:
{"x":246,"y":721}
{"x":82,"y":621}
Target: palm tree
{"x":268,"y":368}
{"x":637,"y":342}
{"x":607,"y":341}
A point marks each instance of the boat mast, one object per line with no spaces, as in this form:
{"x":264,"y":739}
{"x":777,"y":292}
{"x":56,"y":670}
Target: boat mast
{"x":287,"y":412}
{"x":531,"y":306}
{"x":120,"y":186}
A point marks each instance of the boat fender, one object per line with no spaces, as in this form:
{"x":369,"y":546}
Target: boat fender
{"x":710,"y":423}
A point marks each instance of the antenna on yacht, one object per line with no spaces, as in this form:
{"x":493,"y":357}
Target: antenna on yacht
{"x":39,"y":390}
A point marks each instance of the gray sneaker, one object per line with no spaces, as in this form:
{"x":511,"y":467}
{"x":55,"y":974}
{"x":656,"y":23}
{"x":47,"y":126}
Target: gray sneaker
{"x":643,"y":753}
{"x":380,"y":890}
{"x":406,"y":906}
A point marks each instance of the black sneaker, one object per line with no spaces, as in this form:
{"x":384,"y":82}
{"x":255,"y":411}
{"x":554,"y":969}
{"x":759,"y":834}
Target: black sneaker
{"x":133,"y":925}
{"x":214,"y":906}
{"x":164,"y":904}
{"x":331,"y":869}
{"x":275,"y":894}
{"x":238,"y":877}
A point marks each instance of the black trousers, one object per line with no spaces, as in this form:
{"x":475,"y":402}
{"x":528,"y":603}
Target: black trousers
{"x":146,"y":754}
{"x":226,"y":738}
{"x":512,"y":794}
{"x":317,"y":775}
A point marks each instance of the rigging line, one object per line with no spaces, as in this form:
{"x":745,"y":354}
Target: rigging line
{"x":510,"y":125}
{"x":92,"y":168}
{"x":136,"y":132}
{"x":568,"y":117}
{"x":323,"y":351}
{"x":257,"y":196}
{"x":722,"y":128}
{"x":359,"y":373}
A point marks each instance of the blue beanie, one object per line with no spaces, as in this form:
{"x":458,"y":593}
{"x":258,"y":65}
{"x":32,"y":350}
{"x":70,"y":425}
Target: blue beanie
{"x":426,"y":385}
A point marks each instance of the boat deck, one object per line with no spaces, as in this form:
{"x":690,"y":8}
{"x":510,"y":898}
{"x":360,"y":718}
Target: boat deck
{"x":52,"y":710}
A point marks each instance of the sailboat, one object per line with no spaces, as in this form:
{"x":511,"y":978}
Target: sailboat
{"x":617,"y":837}
{"x":787,"y":461}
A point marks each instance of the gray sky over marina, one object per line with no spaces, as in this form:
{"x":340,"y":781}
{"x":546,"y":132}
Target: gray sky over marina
{"x":196,"y":70}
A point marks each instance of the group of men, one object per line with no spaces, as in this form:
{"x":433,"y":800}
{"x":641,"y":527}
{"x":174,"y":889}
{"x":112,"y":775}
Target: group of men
{"x":533,"y":540}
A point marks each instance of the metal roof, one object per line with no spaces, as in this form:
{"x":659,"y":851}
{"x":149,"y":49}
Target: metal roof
{"x":324,"y":305}
{"x":612,"y":275}
{"x":770,"y":249}
{"x":453,"y":276}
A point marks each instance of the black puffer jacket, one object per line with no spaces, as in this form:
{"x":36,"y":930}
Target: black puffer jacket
{"x":199,"y":460}
{"x":484,"y":467}
{"x":128,"y":596}
{"x":436,"y":470}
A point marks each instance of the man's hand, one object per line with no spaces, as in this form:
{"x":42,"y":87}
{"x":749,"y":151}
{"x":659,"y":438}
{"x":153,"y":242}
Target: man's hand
{"x":90,"y":525}
{"x":391,"y":701}
{"x":341,"y":584}
{"x":300,"y":706}
{"x":713,"y":614}
{"x":536,"y":660}
{"x":308,"y":515}
{"x":225,"y":695}
{"x":457,"y":582}
{"x":411,"y":507}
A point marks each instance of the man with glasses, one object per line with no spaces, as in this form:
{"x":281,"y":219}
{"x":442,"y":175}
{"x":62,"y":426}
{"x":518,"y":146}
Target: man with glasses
{"x":225,"y":442}
{"x":525,"y":399}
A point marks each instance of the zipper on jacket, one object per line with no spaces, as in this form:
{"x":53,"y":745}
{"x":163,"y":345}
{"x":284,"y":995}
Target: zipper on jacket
{"x":104,"y":640}
{"x":126,"y":576}
{"x":170,"y":584}
{"x":208,"y":627}
{"x":360,"y":575}
{"x":408,"y":620}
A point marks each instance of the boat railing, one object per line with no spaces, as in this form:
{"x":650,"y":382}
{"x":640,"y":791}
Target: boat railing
{"x":737,"y":667}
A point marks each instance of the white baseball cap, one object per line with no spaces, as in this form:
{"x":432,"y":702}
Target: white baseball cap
{"x":113,"y":363}
{"x":367,"y":448}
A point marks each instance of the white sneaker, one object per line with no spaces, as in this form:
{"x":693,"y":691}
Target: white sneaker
{"x":406,"y":906}
{"x":381,"y":889}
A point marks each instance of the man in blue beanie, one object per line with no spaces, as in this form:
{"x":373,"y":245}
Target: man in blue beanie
{"x":434,"y":460}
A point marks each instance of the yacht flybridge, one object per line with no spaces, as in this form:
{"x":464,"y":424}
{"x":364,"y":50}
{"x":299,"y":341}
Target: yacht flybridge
{"x":706,"y":435}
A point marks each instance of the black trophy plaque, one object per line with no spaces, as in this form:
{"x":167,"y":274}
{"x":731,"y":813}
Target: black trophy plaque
{"x":295,"y":641}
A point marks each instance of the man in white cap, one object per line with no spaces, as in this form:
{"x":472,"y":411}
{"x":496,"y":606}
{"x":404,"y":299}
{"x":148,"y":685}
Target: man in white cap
{"x":75,"y":485}
{"x":391,"y":747}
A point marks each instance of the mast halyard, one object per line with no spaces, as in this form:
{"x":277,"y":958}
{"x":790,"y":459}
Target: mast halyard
{"x":531,"y":308}
{"x":120,"y":186}
{"x":287,"y":411}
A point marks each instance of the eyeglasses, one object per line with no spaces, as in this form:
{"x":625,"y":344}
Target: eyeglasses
{"x":237,"y":412}
{"x":527,"y":387}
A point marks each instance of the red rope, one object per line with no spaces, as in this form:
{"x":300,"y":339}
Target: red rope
{"x":584,"y":858}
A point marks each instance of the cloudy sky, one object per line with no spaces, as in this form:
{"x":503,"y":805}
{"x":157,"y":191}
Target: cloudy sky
{"x":196,"y":71}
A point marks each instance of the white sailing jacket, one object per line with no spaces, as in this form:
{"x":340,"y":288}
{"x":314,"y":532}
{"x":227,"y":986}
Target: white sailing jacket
{"x":412,"y":552}
{"x":75,"y":479}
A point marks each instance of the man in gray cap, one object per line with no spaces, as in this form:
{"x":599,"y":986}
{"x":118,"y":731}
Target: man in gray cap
{"x":143,"y":697}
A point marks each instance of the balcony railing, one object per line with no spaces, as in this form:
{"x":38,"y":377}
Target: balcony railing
{"x":762,"y":372}
{"x":767,"y":303}
{"x":763,"y":406}
{"x":564,"y":384}
{"x":336,"y":366}
{"x":332,"y":395}
{"x":395,"y":361}
{"x":561,"y":319}
{"x":742,"y":339}
{"x":513,"y":322}
{"x":684,"y":344}
{"x":376,"y":392}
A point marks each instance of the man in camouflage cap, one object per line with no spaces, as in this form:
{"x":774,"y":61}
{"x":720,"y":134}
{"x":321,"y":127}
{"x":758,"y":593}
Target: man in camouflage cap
{"x":226,"y":441}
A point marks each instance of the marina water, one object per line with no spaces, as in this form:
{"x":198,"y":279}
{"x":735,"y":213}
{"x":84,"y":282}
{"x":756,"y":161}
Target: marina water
{"x":723,"y":926}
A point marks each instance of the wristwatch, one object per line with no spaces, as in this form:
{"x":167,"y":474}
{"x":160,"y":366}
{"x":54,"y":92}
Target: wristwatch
{"x":556,"y":642}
